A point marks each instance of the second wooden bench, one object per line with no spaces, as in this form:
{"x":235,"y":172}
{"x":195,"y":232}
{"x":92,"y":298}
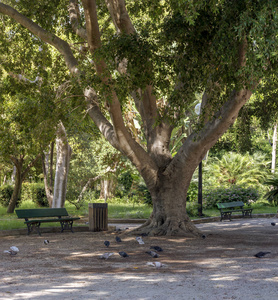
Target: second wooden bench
{"x":226,"y":209}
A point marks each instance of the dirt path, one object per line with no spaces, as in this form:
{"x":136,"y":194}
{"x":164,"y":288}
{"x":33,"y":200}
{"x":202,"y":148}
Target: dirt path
{"x":221,"y":266}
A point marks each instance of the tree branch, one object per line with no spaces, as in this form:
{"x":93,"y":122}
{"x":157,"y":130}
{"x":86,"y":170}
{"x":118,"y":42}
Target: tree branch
{"x":92,"y":28}
{"x":120,"y":16}
{"x":74,"y":15}
{"x":101,"y":122}
{"x":158,"y":136}
{"x":62,"y":46}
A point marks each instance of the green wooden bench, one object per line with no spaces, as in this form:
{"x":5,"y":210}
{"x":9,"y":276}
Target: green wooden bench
{"x":226,"y":209}
{"x":34,"y":218}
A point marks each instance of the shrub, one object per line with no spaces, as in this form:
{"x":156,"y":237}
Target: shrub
{"x":34,"y":192}
{"x":192,"y":209}
{"x":233,"y":193}
{"x":192,"y":193}
{"x":272,"y":194}
{"x":6,"y":192}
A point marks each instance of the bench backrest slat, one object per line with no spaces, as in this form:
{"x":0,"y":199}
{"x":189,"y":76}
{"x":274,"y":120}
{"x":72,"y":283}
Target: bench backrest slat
{"x":38,"y":212}
{"x":230,"y":204}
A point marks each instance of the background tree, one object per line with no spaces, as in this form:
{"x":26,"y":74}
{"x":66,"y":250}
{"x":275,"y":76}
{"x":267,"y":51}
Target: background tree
{"x":23,"y":133}
{"x":221,"y":47}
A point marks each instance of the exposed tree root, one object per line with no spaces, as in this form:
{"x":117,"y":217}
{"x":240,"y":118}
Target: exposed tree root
{"x":171,"y":227}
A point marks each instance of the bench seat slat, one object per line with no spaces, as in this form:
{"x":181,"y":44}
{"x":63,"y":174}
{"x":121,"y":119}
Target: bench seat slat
{"x":50,"y":220}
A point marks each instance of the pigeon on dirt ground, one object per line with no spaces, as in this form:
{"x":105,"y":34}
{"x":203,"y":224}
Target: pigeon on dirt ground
{"x":106,"y":255}
{"x":156,"y":248}
{"x":118,"y":239}
{"x":107,"y":243}
{"x":13,"y":250}
{"x":156,"y":264}
{"x":261,"y":254}
{"x":140,"y":240}
{"x":46,"y":242}
{"x":123,"y":254}
{"x":273,"y":224}
{"x":152,"y":254}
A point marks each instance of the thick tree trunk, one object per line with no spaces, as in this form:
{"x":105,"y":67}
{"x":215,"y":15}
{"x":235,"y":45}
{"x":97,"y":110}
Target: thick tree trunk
{"x":169,"y":215}
{"x":62,"y":168}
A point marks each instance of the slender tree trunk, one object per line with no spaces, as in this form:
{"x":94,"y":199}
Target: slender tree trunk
{"x":13,"y":174}
{"x":17,"y":186}
{"x":47,"y":186}
{"x":62,"y":167}
{"x":20,"y":176}
{"x":274,"y":142}
{"x":107,"y":188}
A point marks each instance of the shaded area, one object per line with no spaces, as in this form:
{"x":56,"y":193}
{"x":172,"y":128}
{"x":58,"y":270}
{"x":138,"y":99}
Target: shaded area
{"x":221,"y":266}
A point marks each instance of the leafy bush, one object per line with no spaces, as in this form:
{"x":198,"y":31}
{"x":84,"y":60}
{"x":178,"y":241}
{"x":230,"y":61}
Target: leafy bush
{"x":6,"y":192}
{"x":192,"y":193}
{"x":192,"y":209}
{"x":272,"y":194}
{"x":233,"y":193}
{"x":34,"y":192}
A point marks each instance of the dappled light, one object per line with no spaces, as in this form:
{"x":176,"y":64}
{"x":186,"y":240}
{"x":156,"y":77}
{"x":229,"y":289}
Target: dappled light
{"x":69,"y":267}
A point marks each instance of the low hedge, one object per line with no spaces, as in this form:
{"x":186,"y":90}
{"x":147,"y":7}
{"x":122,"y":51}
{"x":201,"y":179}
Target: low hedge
{"x":6,"y":192}
{"x":34,"y":192}
{"x":247,"y":195}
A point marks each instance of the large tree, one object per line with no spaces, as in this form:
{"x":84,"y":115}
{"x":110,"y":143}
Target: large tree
{"x":158,"y":54}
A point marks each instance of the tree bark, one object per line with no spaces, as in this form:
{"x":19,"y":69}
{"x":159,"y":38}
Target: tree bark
{"x":169,"y":215}
{"x":274,"y":142}
{"x":17,"y":186}
{"x":107,"y":188}
{"x":48,"y":187}
{"x":62,"y":167}
{"x":19,"y":177}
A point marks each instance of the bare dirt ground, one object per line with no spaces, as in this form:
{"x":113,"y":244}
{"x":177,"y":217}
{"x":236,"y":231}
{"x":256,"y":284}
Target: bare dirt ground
{"x":221,"y":266}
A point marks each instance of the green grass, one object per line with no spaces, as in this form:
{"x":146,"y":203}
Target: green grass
{"x":116,"y":210}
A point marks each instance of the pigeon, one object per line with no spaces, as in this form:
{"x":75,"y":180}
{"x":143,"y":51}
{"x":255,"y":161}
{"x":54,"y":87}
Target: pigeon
{"x":13,"y":250}
{"x":273,"y":224}
{"x":156,"y":264}
{"x":46,"y":242}
{"x":123,"y":254}
{"x":261,"y":254}
{"x":118,"y":239}
{"x":106,"y":255}
{"x":152,"y":254}
{"x":139,"y":240}
{"x":107,"y":243}
{"x":156,"y":248}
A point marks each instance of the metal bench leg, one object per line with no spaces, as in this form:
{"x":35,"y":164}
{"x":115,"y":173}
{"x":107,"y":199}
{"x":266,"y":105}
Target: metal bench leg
{"x":226,"y":215}
{"x":30,"y":227}
{"x":66,"y":225}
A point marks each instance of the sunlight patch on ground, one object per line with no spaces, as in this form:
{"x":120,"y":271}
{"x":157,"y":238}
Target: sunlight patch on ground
{"x":220,"y":277}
